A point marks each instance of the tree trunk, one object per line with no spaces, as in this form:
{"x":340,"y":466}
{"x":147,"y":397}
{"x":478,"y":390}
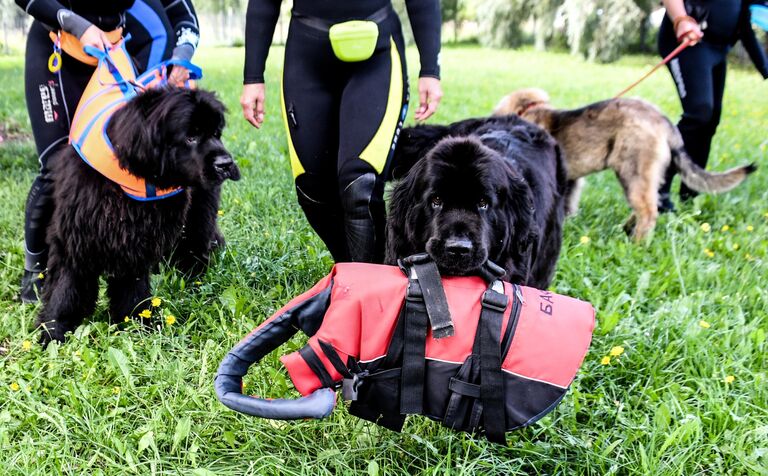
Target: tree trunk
{"x":539,"y":35}
{"x":644,"y":33}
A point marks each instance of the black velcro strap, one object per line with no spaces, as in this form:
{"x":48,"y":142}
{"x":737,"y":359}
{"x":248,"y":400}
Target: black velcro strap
{"x":334,"y":358}
{"x":309,"y":356}
{"x":491,"y":378}
{"x":434,"y":298}
{"x":414,"y":348}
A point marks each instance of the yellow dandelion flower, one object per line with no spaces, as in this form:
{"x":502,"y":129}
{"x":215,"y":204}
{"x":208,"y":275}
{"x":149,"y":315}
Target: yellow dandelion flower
{"x":605,"y":360}
{"x":729,"y":379}
{"x":15,"y":387}
{"x":40,"y":276}
{"x":170,"y":319}
{"x":705,"y":324}
{"x":725,"y":228}
{"x":26,"y":345}
{"x":735,"y":246}
{"x":116,"y":390}
{"x":709,"y":252}
{"x":750,"y":228}
{"x":706,"y":227}
{"x":126,"y":319}
{"x":616,"y":351}
{"x":156,"y":301}
{"x":220,"y":212}
{"x":584,"y":240}
{"x":146,"y":313}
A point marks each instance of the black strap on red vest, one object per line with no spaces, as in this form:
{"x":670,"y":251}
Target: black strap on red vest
{"x":414,"y":350}
{"x":487,"y":343}
{"x":491,"y":378}
{"x":432,"y":293}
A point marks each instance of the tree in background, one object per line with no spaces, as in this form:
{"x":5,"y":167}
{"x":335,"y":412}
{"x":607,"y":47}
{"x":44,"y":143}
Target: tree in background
{"x":609,"y":29}
{"x":501,"y":22}
{"x":227,"y":18}
{"x":598,"y":29}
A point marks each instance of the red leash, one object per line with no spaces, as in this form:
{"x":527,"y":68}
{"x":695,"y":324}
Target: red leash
{"x":666,"y":60}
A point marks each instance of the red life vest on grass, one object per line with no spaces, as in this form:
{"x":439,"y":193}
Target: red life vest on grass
{"x":361,"y":319}
{"x":112,"y":85}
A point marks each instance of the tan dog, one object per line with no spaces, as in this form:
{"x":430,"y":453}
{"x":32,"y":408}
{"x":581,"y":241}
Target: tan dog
{"x":629,"y":136}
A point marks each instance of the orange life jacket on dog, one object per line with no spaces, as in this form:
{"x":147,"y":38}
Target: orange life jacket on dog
{"x":112,"y":85}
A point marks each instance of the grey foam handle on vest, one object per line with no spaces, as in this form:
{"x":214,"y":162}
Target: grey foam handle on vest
{"x":229,"y":390}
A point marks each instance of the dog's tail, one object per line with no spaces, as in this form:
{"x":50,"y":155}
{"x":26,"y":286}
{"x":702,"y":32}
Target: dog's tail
{"x":699,"y":179}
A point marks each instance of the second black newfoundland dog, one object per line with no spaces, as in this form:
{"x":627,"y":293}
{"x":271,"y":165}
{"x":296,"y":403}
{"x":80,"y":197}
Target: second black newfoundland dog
{"x":477,"y":190}
{"x":171,"y":137}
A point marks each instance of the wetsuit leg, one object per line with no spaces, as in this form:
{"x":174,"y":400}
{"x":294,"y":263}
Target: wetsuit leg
{"x":373,"y":107}
{"x":152,"y":37}
{"x":310,"y":96}
{"x":51,"y":101}
{"x":699,"y":74}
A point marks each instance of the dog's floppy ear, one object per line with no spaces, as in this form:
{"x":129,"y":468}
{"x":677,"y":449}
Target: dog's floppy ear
{"x":406,"y":215}
{"x":520,"y":236}
{"x":138,"y":130}
{"x":131,"y":130}
{"x":208,"y":110}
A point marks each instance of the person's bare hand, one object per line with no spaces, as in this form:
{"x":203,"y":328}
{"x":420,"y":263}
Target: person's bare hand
{"x":430,"y":94}
{"x":688,"y":29}
{"x":252,"y":101}
{"x":94,"y":36}
{"x":179,"y":75}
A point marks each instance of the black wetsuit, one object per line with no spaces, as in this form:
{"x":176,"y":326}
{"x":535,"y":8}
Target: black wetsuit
{"x":699,"y":72}
{"x":342,"y":119}
{"x":53,"y":97}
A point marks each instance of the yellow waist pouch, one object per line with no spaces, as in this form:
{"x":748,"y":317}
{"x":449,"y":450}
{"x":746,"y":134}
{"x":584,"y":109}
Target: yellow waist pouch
{"x":354,"y":40}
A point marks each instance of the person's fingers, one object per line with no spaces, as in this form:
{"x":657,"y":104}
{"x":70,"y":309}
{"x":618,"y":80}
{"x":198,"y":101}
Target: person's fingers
{"x":434,"y":101}
{"x":105,"y":41}
{"x":260,"y":110}
{"x":248,"y":112}
{"x":422,"y":103}
{"x":179,"y":75}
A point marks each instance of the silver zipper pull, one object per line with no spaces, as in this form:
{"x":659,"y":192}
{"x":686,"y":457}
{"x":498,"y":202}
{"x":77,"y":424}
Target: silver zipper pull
{"x":519,"y":294}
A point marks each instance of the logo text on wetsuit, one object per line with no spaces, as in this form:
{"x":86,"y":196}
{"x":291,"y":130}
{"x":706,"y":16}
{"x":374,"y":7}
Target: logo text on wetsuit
{"x":45,"y":98}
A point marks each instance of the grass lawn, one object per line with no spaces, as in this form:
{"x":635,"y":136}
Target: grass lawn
{"x":688,"y":395}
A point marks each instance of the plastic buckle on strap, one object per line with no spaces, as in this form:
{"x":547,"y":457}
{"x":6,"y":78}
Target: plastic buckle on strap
{"x":494,"y":269}
{"x":417,"y":259}
{"x":495,"y":301}
{"x":349,"y":386}
{"x":414,"y":292}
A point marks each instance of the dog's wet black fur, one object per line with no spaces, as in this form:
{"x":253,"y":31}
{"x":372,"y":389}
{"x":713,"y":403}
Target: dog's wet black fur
{"x":479,"y":189}
{"x":172,"y":138}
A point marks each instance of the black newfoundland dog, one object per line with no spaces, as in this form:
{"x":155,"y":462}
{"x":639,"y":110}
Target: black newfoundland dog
{"x":476,"y":190}
{"x":172,"y":138}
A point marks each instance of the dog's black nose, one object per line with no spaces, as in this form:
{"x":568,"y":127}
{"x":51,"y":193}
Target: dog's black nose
{"x":226,"y":168}
{"x":458,"y":246}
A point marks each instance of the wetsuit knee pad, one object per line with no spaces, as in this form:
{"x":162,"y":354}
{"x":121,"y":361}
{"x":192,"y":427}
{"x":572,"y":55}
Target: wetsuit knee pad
{"x":364,"y":217}
{"x":358,"y":195}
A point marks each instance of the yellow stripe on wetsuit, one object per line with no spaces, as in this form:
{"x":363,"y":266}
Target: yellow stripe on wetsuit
{"x":296,"y":166}
{"x":377,"y":150}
